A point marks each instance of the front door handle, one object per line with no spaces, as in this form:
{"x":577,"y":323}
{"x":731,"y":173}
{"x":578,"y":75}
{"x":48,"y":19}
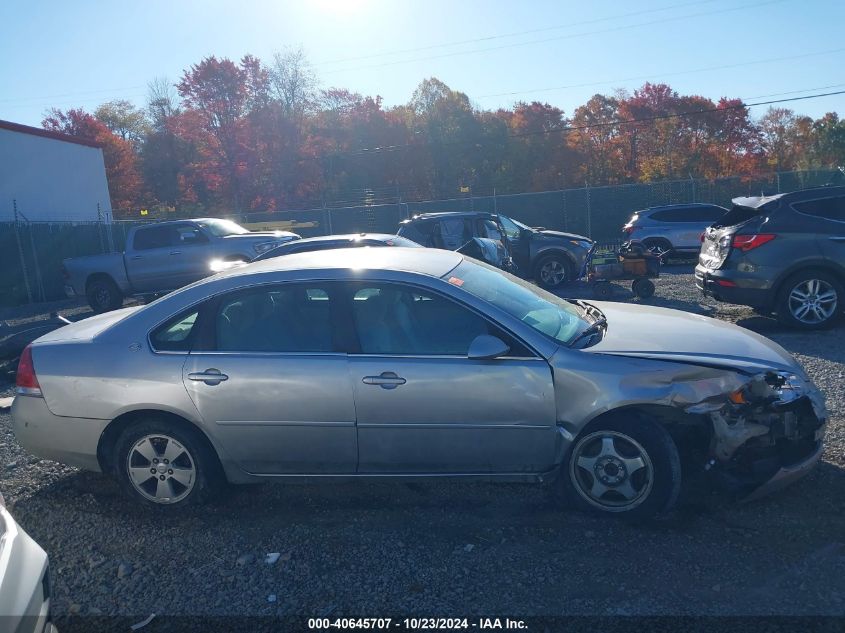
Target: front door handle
{"x":175,"y":252}
{"x":209,"y":376}
{"x":387,"y":380}
{"x":135,"y":257}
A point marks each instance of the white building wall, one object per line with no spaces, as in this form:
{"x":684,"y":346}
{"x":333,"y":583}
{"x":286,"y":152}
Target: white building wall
{"x":51,"y":180}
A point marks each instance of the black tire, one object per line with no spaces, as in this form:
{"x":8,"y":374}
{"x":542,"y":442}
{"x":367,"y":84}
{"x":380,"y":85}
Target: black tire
{"x":788,"y":307}
{"x":643,"y":288}
{"x":103,"y":295}
{"x":548,"y":271}
{"x":205,"y":476}
{"x":656,"y":484}
{"x":602,"y":290}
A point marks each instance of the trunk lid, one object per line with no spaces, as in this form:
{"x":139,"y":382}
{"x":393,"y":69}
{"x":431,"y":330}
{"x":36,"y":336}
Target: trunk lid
{"x":718,"y":237}
{"x":87,"y":329}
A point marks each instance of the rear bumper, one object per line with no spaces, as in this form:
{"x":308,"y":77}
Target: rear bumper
{"x":71,"y":441}
{"x":744,"y":292}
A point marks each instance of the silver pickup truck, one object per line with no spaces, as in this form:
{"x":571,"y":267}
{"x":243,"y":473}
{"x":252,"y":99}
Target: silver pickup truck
{"x":162,"y":257}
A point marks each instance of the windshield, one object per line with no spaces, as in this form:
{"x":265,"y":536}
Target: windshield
{"x":513,"y":229}
{"x":543,"y":311}
{"x":222,"y":228}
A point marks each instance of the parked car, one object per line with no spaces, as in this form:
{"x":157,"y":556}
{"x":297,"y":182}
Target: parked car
{"x":413,"y":362}
{"x":673,"y":229}
{"x":162,"y":257}
{"x":782,"y":254}
{"x":550,"y":257}
{"x":24,"y":580}
{"x":326,"y":242}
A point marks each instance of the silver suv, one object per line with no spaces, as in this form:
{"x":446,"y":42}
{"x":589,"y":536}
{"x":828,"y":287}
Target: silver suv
{"x":674,"y":228}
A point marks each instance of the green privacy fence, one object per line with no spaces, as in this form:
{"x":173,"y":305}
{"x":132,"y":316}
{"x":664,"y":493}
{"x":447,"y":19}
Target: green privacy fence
{"x":31,"y":252}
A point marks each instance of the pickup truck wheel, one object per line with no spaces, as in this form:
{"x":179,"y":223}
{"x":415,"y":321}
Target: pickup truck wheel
{"x":103,"y":295}
{"x":552,"y":271}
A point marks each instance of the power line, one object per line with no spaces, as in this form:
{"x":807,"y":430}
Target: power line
{"x":670,"y":74}
{"x":512,"y":34}
{"x":557,"y":38}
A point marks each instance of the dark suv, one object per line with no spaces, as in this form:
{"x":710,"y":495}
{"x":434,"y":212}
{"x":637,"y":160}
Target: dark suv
{"x":551,"y":258}
{"x":782,"y":254}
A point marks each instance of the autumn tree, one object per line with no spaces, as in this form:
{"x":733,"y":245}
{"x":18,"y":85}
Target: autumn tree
{"x":122,"y":172}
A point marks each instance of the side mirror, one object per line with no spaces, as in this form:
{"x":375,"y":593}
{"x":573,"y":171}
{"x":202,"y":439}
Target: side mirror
{"x":486,"y":347}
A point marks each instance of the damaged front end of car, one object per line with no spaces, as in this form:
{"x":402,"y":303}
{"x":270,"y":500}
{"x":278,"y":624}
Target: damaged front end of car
{"x":765,"y":434}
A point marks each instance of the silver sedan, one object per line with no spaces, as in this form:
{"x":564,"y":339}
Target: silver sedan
{"x":413,"y":363}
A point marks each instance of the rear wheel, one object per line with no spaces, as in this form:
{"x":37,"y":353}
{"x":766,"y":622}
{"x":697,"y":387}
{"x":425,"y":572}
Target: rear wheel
{"x":161,"y":464}
{"x":103,"y":295}
{"x":603,"y":290}
{"x":552,"y":271}
{"x":626,"y":465}
{"x":810,"y":300}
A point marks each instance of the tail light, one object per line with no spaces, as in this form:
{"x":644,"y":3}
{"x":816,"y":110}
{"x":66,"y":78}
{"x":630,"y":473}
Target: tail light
{"x":701,"y":237}
{"x":627,"y":229}
{"x":747,"y":243}
{"x":27,"y":382}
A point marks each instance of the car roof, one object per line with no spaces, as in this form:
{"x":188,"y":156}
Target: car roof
{"x":812,"y":193}
{"x":180,"y":221}
{"x":346,"y":236}
{"x":441,"y":214}
{"x":426,"y":261}
{"x":688,"y":205}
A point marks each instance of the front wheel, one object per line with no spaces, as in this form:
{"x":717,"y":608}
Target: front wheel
{"x":810,"y":300}
{"x":552,"y":271}
{"x":626,"y":466}
{"x":161,"y":464}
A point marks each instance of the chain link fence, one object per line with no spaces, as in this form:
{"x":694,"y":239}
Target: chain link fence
{"x":31,"y":253}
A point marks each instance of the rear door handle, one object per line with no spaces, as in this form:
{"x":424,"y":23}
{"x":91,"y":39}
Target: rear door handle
{"x":135,"y":257}
{"x":175,"y":252}
{"x":387,"y":380}
{"x":209,"y":376}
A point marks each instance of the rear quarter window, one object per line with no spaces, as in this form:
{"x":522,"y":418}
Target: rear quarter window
{"x":827,"y":208}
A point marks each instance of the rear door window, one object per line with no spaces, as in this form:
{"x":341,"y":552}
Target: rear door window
{"x":153,"y":237}
{"x":285,"y":318}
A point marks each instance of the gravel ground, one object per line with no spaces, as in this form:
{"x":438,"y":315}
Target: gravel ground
{"x":446,"y":548}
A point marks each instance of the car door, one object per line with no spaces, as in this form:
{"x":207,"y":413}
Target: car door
{"x":828,"y":220}
{"x":266,"y":376}
{"x":518,"y":243}
{"x":424,"y":407}
{"x":190,"y":255}
{"x":149,"y":264}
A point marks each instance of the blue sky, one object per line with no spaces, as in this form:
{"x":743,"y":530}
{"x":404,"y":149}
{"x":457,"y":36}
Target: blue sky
{"x":80,"y":53}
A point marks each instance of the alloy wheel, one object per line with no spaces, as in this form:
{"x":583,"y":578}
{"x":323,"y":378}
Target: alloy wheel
{"x":553,"y":272}
{"x":611,"y":471}
{"x":813,"y":301}
{"x":161,"y":469}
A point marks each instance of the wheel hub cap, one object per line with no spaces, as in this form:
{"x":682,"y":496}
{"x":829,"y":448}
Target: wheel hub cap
{"x":813,"y":301}
{"x":611,"y":471}
{"x":161,"y":469}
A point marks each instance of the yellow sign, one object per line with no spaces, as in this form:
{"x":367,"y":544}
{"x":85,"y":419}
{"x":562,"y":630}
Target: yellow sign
{"x":144,"y":212}
{"x":464,"y":189}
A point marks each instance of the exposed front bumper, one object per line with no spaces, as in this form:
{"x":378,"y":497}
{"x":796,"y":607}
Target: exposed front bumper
{"x":71,"y":441}
{"x":787,"y":475}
